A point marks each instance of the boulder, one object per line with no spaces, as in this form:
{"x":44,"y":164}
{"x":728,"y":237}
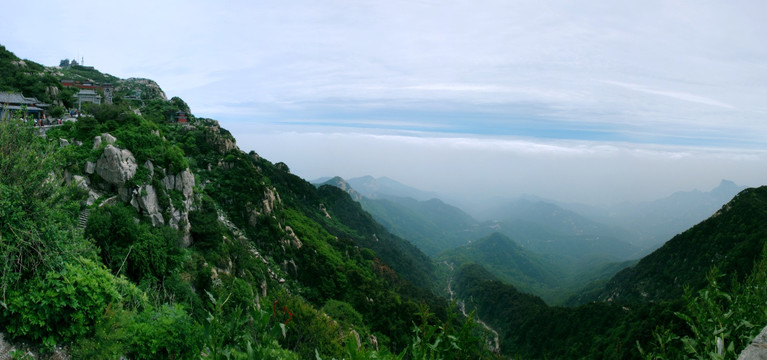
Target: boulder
{"x":116,"y":166}
{"x":148,"y":164}
{"x":108,"y":138}
{"x":90,"y":167}
{"x":96,"y":142}
{"x":758,"y":348}
{"x":63,"y":142}
{"x":147,"y":200}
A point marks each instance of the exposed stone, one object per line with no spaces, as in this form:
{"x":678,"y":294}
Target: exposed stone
{"x":758,"y":348}
{"x":270,"y":199}
{"x":179,"y":218}
{"x":63,"y":142}
{"x":147,"y":201}
{"x":223,"y":143}
{"x":324,"y":211}
{"x":148,"y":164}
{"x":294,"y":241}
{"x":90,"y":167}
{"x":108,"y":138}
{"x":96,"y":142}
{"x":116,"y":166}
{"x":81,"y":182}
{"x":124,"y":194}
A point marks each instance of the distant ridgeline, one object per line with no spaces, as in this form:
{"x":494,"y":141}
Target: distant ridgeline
{"x":702,"y":288}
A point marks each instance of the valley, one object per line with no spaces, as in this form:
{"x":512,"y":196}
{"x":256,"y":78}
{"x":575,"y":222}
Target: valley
{"x":139,"y":230}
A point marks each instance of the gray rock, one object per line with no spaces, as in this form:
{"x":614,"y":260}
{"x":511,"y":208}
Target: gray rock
{"x":116,"y":166}
{"x":183,"y":182}
{"x":90,"y":167}
{"x":124,"y":194}
{"x":63,"y":142}
{"x":81,"y":182}
{"x":148,"y":164}
{"x":108,"y":138}
{"x":97,"y":142}
{"x":147,"y":201}
{"x":758,"y":348}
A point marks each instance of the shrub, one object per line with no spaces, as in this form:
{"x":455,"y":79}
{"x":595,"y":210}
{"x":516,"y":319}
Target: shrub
{"x":167,"y":332}
{"x":60,"y":306}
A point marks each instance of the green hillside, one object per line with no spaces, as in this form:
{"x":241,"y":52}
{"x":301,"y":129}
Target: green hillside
{"x":129,"y":236}
{"x":704,"y":287}
{"x":731,"y":240}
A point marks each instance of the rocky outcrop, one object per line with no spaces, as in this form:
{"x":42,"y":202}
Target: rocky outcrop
{"x":183,"y":182}
{"x":271,"y":198}
{"x":90,"y":167}
{"x":108,"y":138}
{"x":293,"y":238}
{"x":116,"y":166}
{"x":324,"y":211}
{"x":179,"y":218}
{"x":758,"y":348}
{"x":145,"y":200}
{"x":83,"y":183}
{"x":223,"y":143}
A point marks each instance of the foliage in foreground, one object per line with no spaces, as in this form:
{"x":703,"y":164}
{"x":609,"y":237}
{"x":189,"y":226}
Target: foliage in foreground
{"x":718,"y":324}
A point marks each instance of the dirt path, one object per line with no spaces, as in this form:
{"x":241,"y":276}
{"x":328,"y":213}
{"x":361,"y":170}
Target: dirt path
{"x":495,"y":342}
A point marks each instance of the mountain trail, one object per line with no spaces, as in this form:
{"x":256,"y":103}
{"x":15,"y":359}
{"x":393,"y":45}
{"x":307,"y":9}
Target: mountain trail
{"x":495,"y":342}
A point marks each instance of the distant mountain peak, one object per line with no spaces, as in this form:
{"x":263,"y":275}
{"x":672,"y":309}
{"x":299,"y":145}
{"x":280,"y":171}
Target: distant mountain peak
{"x":340,"y":183}
{"x":382,"y":187}
{"x":726,"y":189}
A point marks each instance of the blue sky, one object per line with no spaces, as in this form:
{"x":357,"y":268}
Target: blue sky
{"x":584,"y":101}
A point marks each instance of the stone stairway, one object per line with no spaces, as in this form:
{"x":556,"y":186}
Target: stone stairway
{"x":83,"y":218}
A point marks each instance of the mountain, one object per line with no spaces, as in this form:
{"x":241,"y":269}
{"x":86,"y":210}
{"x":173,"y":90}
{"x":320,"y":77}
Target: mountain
{"x":732,"y":239}
{"x":382,"y":187}
{"x":650,"y":224}
{"x":547,"y":276}
{"x":129,"y":235}
{"x":341,"y":184}
{"x":547,"y":228}
{"x":644,"y":310}
{"x":508,"y":262}
{"x":431,"y":225}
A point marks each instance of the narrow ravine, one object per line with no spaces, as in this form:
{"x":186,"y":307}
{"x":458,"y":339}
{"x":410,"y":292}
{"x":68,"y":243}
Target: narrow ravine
{"x":495,"y":342}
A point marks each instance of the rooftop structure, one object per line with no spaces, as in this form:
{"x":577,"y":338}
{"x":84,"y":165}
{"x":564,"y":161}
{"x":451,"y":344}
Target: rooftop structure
{"x":87,"y":95}
{"x":12,"y":102}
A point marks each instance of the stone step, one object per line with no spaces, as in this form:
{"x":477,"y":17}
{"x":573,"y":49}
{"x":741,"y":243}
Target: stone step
{"x":83,"y":220}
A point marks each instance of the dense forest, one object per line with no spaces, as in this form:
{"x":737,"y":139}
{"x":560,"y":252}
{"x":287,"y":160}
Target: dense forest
{"x":127,"y":235}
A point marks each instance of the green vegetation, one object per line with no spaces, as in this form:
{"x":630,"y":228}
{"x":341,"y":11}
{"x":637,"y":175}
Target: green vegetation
{"x":266,"y":273}
{"x":432,"y":226}
{"x":648,"y":313}
{"x":252,"y":262}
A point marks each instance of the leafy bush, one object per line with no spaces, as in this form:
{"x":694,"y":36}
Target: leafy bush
{"x":60,"y":306}
{"x":140,"y":251}
{"x":167,"y":332}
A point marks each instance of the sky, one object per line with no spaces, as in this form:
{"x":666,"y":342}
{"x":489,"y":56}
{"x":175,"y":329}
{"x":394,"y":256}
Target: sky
{"x":590,"y":101}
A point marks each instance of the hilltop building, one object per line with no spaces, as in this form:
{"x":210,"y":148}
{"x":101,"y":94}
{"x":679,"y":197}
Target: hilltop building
{"x":181,"y":117}
{"x":88,"y":91}
{"x":13,"y":102}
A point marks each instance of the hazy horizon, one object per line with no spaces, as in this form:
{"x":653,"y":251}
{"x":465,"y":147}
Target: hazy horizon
{"x":594,"y":102}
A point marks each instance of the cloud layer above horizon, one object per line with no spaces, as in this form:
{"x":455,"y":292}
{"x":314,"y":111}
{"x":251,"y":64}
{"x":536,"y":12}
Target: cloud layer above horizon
{"x":571,"y":76}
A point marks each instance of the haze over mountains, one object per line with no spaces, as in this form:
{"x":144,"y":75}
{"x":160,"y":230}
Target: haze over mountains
{"x":542,"y":247}
{"x":347,"y":266}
